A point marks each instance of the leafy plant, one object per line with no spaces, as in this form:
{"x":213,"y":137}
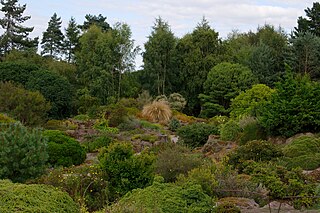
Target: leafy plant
{"x":17,"y":197}
{"x":97,"y":143}
{"x":174,"y":124}
{"x":177,"y":101}
{"x":230,"y":130}
{"x":85,"y":184}
{"x":23,"y":152}
{"x":175,"y":160}
{"x":63,"y":150}
{"x":125,"y":171}
{"x":196,"y":134}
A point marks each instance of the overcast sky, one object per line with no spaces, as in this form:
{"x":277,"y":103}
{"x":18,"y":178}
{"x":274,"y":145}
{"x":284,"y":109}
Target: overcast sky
{"x":182,"y":15}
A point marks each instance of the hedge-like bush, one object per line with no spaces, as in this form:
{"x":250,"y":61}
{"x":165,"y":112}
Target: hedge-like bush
{"x":15,"y":197}
{"x":196,"y":134}
{"x":63,"y":150}
{"x":23,"y":152}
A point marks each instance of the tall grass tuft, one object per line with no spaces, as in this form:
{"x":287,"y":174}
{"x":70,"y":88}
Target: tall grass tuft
{"x":157,"y":111}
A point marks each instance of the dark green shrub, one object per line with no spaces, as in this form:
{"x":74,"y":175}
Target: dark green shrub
{"x":174,"y":124}
{"x":126,"y":171}
{"x":34,"y":198}
{"x":293,"y":108}
{"x":23,"y":152}
{"x":250,"y":130}
{"x":85,"y":184}
{"x":175,"y":160}
{"x":97,"y":143}
{"x":63,"y":150}
{"x":230,"y":131}
{"x":254,"y":150}
{"x":18,"y":72}
{"x":306,"y":162}
{"x":196,"y":134}
{"x":166,"y":198}
{"x":55,"y":89}
{"x":130,"y":124}
{"x":283,"y":183}
{"x":227,"y":207}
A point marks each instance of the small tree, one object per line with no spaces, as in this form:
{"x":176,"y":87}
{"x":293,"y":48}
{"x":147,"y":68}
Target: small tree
{"x":23,"y":153}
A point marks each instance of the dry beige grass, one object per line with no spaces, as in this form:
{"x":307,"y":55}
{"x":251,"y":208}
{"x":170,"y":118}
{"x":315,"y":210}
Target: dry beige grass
{"x":157,"y":111}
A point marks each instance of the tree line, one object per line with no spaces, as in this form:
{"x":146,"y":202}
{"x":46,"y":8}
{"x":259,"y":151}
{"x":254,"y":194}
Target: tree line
{"x":92,"y":64}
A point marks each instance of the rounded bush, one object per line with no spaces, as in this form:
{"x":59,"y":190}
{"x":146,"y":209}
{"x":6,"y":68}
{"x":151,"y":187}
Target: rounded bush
{"x":16,"y":197}
{"x":63,"y":150}
{"x":196,"y":134}
{"x":23,"y":152}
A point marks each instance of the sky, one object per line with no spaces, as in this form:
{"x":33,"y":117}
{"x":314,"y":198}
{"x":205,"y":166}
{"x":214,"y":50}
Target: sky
{"x":182,"y":15}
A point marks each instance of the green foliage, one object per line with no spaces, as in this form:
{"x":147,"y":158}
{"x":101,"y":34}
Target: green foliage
{"x":61,"y":125}
{"x":165,"y":197}
{"x":55,"y":89}
{"x":85,"y":184}
{"x":250,"y":130}
{"x":196,"y":52}
{"x":17,"y":197}
{"x":126,"y":171}
{"x":302,"y":152}
{"x":102,"y":125}
{"x":158,"y":59}
{"x":254,"y":150}
{"x":196,"y":134}
{"x":28,"y":107}
{"x":6,"y":119}
{"x":203,"y":176}
{"x":16,"y":71}
{"x":148,"y":125}
{"x":225,"y":81}
{"x":310,"y":23}
{"x":63,"y":150}
{"x":97,"y":143}
{"x":23,"y":152}
{"x":52,"y":38}
{"x":283,"y":183}
{"x":145,"y":137}
{"x":177,"y":101}
{"x":15,"y":35}
{"x":292,"y":108}
{"x":247,"y":103}
{"x":230,"y":131}
{"x":174,"y":124}
{"x":227,"y":207}
{"x":175,"y":160}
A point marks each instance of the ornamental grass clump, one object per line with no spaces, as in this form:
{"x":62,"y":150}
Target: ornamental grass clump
{"x":157,"y":111}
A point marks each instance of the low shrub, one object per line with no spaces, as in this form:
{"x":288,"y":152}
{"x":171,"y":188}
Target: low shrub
{"x":126,"y":171}
{"x":63,"y":150}
{"x":145,"y":137}
{"x":175,"y":160}
{"x":230,"y":131}
{"x":254,"y":150}
{"x":23,"y":152}
{"x":227,"y":207}
{"x":196,"y":134}
{"x":306,"y":162}
{"x":81,"y":117}
{"x":165,"y":197}
{"x":250,"y":130}
{"x":34,"y":198}
{"x":85,"y":184}
{"x":61,"y":125}
{"x":6,"y":119}
{"x":151,"y":126}
{"x":97,"y":143}
{"x":174,"y":124}
{"x":304,"y":145}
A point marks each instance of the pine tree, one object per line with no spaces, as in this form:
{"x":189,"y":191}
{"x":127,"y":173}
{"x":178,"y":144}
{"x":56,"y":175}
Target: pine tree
{"x":52,"y":40}
{"x":15,"y":35}
{"x":72,"y":39}
{"x":99,"y":21}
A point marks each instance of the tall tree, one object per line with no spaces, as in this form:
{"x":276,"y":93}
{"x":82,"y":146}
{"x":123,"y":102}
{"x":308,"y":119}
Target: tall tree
{"x":197,"y":52}
{"x":305,"y":54}
{"x":158,"y":58}
{"x":126,"y":51}
{"x":15,"y":35}
{"x":99,"y":21}
{"x":311,"y":23}
{"x":71,"y":39}
{"x":52,"y":40}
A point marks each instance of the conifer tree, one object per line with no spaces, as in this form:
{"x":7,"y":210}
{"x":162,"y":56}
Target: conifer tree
{"x":72,"y":39}
{"x":52,"y":40}
{"x":15,"y":35}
